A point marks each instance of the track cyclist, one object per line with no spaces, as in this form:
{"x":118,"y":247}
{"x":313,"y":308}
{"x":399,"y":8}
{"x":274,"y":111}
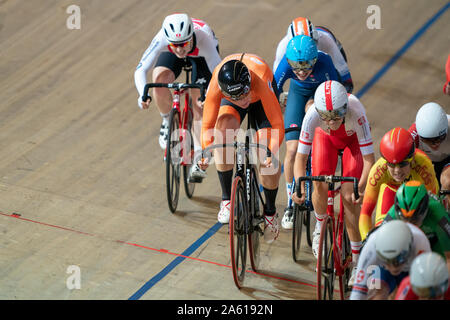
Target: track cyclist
{"x":430,"y":133}
{"x":243,"y":84}
{"x":307,"y":68}
{"x":386,"y":259}
{"x":326,"y":42}
{"x":341,"y":123}
{"x":415,"y":205}
{"x":427,"y":280}
{"x":179,"y":37}
{"x":400,"y":162}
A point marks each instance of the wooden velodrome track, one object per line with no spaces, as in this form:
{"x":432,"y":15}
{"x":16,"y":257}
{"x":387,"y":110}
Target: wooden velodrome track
{"x":81,"y":172}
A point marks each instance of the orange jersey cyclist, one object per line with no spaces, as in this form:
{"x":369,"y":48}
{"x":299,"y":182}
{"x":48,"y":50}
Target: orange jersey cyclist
{"x":243,"y":84}
{"x":400,"y":162}
{"x":336,"y":121}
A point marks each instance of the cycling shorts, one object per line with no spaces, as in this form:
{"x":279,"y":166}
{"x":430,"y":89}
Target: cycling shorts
{"x":295,"y":109}
{"x":200,"y":75}
{"x":325,"y":150}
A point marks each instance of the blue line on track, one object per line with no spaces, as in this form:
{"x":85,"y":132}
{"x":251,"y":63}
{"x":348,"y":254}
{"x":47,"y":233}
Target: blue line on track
{"x":402,"y":50}
{"x":147,"y":286}
{"x":208,"y":234}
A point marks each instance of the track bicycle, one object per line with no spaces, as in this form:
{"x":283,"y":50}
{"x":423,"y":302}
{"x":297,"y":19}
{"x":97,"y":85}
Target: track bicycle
{"x":335,"y":255}
{"x":179,"y":151}
{"x":246,"y":209}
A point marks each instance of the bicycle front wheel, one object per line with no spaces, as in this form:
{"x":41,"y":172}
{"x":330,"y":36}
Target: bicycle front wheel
{"x":325,"y":262}
{"x":237,"y":231}
{"x":297,"y":232}
{"x":346,"y":255}
{"x":188,"y":153}
{"x":173,"y":161}
{"x":256,"y":226}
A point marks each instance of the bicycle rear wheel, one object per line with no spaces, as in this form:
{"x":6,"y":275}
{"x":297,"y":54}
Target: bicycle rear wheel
{"x":237,"y":231}
{"x":325,"y":262}
{"x":307,"y":224}
{"x":173,"y":161}
{"x":299,"y":216}
{"x":256,"y":226}
{"x":188,"y":147}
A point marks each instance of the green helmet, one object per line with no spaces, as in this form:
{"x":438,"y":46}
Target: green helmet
{"x":411,"y":202}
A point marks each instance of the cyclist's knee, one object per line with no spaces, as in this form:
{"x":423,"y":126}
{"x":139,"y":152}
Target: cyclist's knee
{"x":163,"y":74}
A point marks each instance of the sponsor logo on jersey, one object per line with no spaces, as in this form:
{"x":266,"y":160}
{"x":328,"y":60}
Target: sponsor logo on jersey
{"x":379,"y":173}
{"x":423,"y":172}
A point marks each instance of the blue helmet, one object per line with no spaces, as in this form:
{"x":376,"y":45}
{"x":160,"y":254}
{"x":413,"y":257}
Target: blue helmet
{"x":301,"y":49}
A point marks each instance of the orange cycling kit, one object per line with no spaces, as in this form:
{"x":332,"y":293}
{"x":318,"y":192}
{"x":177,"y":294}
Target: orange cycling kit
{"x":264,"y":105}
{"x":381,"y":188}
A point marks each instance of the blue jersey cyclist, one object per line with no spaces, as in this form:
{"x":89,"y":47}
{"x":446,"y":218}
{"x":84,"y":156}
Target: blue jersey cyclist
{"x":307,"y":68}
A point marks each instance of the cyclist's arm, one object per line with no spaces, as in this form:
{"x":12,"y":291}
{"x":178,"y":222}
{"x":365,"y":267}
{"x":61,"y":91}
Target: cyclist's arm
{"x":272,"y":110}
{"x":210,"y":112}
{"x":447,"y":71}
{"x":327,"y":44}
{"x":207,"y":44}
{"x":366,"y":263}
{"x":375,"y":179}
{"x":431,"y":182}
{"x":281,"y":50}
{"x":147,"y":61}
{"x":282,"y":74}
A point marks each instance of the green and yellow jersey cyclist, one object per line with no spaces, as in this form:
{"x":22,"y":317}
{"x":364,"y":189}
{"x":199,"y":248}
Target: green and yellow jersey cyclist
{"x":400,"y":162}
{"x":414,"y":204}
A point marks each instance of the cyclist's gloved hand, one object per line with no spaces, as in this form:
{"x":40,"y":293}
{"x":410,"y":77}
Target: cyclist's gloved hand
{"x":144,"y":104}
{"x":203,"y":163}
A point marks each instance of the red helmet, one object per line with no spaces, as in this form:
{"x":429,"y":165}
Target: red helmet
{"x":397,"y":145}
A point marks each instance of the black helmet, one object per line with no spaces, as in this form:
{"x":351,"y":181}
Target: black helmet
{"x":234,"y":79}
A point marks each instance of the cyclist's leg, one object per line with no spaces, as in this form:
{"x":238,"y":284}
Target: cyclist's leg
{"x":352,"y":163}
{"x":227,"y":125}
{"x":167,"y":69}
{"x":269,"y":176}
{"x":293,"y":118}
{"x":202,"y":76}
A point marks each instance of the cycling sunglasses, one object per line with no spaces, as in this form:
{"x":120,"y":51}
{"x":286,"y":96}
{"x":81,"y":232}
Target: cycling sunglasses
{"x":181,"y":45}
{"x":304,"y":66}
{"x":402,"y":164}
{"x":239,"y":96}
{"x":398,"y":261}
{"x":436,"y":140}
{"x":333,"y":115}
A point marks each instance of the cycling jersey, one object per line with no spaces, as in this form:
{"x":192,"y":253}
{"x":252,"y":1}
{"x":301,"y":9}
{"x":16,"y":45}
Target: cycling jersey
{"x":405,"y":291}
{"x":260,"y":90}
{"x":435,"y":155}
{"x":355,"y":122}
{"x":421,"y":170}
{"x":323,"y":70}
{"x":326,"y":43}
{"x":205,"y":46}
{"x":370,"y":271}
{"x":436,"y":225}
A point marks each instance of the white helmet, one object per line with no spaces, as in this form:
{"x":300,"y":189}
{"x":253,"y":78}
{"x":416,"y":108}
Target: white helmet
{"x":429,"y":275}
{"x":431,"y":121}
{"x":302,"y":26}
{"x":178,"y":28}
{"x":393,"y":243}
{"x":330,"y":100}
